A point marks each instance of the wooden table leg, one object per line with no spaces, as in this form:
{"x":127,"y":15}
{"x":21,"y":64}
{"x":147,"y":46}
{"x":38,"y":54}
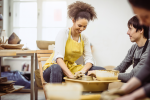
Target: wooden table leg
{"x":36,"y":88}
{"x":32,"y":78}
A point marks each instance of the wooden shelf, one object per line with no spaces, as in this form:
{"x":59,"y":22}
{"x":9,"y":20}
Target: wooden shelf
{"x":17,"y":88}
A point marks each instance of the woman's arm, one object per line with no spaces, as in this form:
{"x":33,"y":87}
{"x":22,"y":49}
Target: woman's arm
{"x":88,"y":58}
{"x":132,"y":84}
{"x":65,"y":69}
{"x":60,"y":44}
{"x":86,"y":67}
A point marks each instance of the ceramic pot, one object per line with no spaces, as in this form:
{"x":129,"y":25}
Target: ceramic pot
{"x":14,"y":39}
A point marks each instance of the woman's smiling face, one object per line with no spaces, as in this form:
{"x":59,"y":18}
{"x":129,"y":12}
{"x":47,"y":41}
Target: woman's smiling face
{"x":79,"y":25}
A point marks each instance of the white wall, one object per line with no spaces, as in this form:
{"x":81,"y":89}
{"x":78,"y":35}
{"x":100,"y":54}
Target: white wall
{"x":108,"y":32}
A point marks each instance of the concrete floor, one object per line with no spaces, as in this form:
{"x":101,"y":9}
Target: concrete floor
{"x":22,"y":96}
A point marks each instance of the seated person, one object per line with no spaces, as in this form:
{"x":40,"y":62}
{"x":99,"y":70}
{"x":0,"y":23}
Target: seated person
{"x":70,"y":44}
{"x":138,"y":87}
{"x":137,"y":54}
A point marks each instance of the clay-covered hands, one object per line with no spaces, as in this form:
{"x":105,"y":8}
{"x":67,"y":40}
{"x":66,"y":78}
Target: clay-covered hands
{"x":71,"y":76}
{"x":79,"y":74}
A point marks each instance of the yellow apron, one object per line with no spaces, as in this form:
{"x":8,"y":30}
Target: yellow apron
{"x":73,"y":51}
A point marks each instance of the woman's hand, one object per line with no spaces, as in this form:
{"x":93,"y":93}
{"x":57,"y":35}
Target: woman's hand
{"x":71,"y":76}
{"x":93,"y":72}
{"x":79,"y":74}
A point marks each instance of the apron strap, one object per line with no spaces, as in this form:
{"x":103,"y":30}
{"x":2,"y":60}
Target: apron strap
{"x":144,"y":49}
{"x":70,"y":35}
{"x":145,"y":46}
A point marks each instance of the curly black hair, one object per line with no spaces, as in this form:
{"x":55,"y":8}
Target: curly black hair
{"x":80,"y":9}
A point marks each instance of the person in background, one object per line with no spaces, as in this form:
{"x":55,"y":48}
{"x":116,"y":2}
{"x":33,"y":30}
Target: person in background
{"x":139,"y":86}
{"x":137,"y":54}
{"x":70,"y":44}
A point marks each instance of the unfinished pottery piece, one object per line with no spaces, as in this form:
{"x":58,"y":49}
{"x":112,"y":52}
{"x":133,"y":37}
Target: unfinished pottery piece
{"x":107,"y":75}
{"x":14,"y":39}
{"x":87,"y":78}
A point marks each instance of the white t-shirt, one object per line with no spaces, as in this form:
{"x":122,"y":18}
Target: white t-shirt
{"x":60,"y":44}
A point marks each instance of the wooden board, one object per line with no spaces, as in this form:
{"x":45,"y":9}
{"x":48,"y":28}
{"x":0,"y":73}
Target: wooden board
{"x":5,"y":53}
{"x":17,"y":51}
{"x":8,"y":82}
{"x":17,"y":88}
{"x":94,"y":81}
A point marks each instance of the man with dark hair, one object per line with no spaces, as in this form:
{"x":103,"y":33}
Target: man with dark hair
{"x":137,"y":53}
{"x":139,"y":86}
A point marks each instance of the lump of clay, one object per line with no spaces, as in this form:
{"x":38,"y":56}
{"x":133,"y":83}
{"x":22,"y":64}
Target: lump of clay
{"x":14,"y":39}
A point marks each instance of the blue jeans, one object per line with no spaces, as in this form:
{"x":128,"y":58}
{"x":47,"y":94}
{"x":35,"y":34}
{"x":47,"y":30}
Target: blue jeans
{"x":54,"y":73}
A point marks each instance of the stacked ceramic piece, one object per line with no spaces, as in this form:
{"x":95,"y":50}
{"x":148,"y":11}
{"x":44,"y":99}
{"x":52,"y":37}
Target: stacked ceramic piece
{"x":6,"y":86}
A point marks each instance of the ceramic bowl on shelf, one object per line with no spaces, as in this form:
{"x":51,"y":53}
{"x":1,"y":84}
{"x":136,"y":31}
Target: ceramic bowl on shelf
{"x":43,"y":45}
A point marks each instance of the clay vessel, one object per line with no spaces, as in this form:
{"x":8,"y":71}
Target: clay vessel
{"x":14,"y":39}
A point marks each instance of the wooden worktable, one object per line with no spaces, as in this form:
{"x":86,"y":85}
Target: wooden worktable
{"x":11,"y":53}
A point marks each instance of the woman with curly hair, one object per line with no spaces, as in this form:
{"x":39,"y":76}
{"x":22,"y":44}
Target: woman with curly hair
{"x":70,"y":44}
